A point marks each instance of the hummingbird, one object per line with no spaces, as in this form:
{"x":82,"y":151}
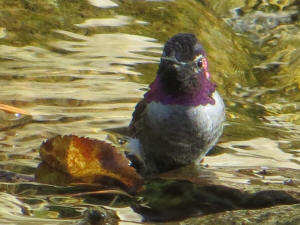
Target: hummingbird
{"x":181,"y":116}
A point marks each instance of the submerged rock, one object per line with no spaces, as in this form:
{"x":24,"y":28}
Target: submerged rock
{"x":281,"y":215}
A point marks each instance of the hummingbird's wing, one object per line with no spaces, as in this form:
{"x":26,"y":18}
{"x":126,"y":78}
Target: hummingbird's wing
{"x":135,"y":128}
{"x":138,"y":116}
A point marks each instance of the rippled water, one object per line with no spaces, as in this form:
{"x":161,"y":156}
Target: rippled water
{"x":79,"y":68}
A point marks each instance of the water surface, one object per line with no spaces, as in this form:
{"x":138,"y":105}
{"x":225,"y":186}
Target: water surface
{"x":79,"y":68}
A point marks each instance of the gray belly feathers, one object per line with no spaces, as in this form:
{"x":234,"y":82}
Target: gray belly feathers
{"x":176,"y":135}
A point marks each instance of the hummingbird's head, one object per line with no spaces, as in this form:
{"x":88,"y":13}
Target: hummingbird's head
{"x":183,"y":65}
{"x":182,"y":76}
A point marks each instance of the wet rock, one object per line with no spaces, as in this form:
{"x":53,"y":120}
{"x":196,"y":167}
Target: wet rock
{"x":99,"y":216}
{"x":281,"y":215}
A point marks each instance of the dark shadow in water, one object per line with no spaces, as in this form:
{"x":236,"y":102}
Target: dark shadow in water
{"x":175,"y":200}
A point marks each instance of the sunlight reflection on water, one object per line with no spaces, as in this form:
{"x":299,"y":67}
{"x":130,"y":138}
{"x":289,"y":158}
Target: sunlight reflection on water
{"x":84,"y":84}
{"x":255,"y":152}
{"x":103,"y":3}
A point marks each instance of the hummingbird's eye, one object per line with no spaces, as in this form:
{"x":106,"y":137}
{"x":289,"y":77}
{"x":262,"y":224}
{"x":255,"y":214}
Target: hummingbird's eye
{"x":199,"y":63}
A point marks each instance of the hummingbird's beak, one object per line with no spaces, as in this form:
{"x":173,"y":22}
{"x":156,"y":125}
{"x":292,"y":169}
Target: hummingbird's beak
{"x":185,"y":65}
{"x":172,"y":59}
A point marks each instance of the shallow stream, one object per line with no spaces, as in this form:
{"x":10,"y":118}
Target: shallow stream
{"x":79,"y":67}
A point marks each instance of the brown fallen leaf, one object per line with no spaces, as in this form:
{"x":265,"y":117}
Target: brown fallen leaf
{"x":11,"y":109}
{"x":89,"y":161}
{"x":47,"y":175}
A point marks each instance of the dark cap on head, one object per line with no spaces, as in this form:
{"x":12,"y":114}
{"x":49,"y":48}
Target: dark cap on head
{"x":178,"y":70}
{"x":182,"y":47}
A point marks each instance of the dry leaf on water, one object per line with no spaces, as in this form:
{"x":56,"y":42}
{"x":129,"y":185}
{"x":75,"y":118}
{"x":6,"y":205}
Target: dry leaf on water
{"x":89,"y":161}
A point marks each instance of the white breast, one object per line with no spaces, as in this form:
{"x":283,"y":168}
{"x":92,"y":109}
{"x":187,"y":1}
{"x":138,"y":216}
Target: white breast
{"x":170,"y":119}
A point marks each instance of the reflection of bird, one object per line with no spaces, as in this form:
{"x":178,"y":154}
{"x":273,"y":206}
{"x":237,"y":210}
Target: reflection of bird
{"x":180,"y":118}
